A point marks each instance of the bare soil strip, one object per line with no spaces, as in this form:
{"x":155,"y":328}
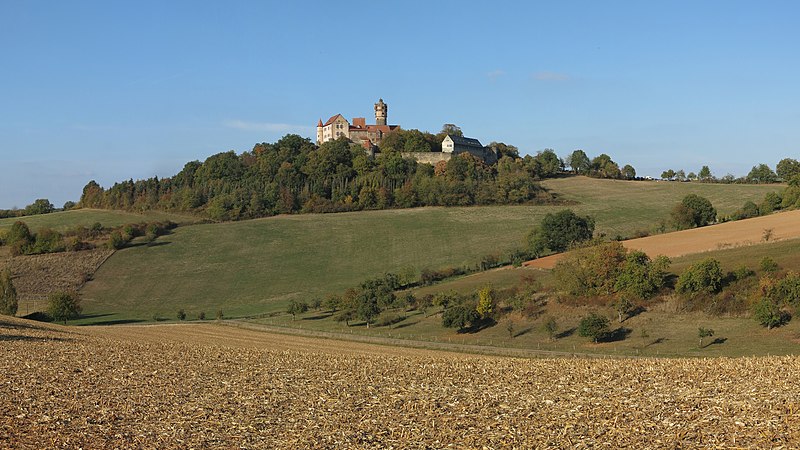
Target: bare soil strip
{"x":203,"y":386}
{"x":781,"y":226}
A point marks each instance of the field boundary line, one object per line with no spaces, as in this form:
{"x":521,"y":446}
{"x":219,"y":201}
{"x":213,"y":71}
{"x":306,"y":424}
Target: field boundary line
{"x":422,"y":345}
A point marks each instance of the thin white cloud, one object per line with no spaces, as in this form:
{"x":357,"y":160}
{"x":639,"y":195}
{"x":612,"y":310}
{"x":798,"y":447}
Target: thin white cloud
{"x":551,"y":76}
{"x":266,"y":126}
{"x":495,"y":74}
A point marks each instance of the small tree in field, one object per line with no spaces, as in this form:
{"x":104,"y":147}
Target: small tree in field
{"x":63,"y":306}
{"x":332,"y":302}
{"x":768,"y":314}
{"x":703,"y":333}
{"x":593,"y":326}
{"x":181,"y":314}
{"x":622,"y":305}
{"x":296,"y":308}
{"x":510,"y":328}
{"x":8,"y":294}
{"x":486,"y":303}
{"x":551,"y":327}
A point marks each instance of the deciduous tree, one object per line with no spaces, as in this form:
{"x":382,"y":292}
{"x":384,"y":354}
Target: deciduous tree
{"x":578,"y":162}
{"x":486,"y":303}
{"x":63,"y":306}
{"x":8,"y":294}
{"x":703,"y":333}
{"x":702,"y":277}
{"x":557,"y":232}
{"x":593,"y":326}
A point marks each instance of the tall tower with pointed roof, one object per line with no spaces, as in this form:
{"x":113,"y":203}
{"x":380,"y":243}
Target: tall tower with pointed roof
{"x":381,"y":110}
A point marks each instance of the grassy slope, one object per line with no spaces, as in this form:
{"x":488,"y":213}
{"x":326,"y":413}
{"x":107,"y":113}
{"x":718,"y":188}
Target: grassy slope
{"x":667,"y":333}
{"x":257,"y":266}
{"x":622,"y":207}
{"x":659,"y":331}
{"x":86,"y":217}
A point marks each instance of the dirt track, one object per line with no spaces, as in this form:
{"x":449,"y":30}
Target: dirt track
{"x":785,"y":225}
{"x":206,"y":386}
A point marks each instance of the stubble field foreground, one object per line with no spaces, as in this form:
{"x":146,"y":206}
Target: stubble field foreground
{"x":203,"y":385}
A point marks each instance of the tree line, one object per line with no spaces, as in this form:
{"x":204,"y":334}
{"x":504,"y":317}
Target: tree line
{"x":785,"y":170}
{"x":22,"y":241}
{"x":293,"y":175}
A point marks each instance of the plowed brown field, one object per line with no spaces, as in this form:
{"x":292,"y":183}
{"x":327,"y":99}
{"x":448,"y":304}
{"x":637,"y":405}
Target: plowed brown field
{"x":206,"y":386}
{"x":785,"y":225}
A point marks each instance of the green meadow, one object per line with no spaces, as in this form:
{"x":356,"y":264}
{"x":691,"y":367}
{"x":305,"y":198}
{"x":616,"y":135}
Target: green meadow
{"x":255,"y":267}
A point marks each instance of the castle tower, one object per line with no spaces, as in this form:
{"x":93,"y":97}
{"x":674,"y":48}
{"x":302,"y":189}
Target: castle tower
{"x":319,"y":132}
{"x":381,"y":110}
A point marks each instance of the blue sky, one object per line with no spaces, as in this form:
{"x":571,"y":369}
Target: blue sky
{"x":116,"y":90}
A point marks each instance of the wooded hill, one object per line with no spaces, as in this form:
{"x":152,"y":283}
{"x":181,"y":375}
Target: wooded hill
{"x":294,"y":175}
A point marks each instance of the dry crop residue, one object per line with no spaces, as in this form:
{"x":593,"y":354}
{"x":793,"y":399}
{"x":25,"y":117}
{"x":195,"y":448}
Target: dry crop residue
{"x":36,"y":276}
{"x":784,"y":225}
{"x":202,"y":385}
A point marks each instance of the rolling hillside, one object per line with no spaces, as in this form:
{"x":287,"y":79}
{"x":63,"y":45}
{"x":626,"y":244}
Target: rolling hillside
{"x":257,"y":266}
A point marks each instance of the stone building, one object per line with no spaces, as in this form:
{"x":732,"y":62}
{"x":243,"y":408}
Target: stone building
{"x":456,"y":145}
{"x":368,"y":135}
{"x":453,"y":146}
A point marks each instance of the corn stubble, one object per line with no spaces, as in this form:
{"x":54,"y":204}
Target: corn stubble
{"x":211,"y":386}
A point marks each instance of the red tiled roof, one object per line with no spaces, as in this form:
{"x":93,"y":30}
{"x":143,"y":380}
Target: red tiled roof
{"x":330,"y":121}
{"x":320,"y":123}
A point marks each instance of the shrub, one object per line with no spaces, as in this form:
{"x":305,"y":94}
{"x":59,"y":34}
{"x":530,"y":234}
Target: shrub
{"x":702,"y":277}
{"x":219,"y":315}
{"x":460,"y":316}
{"x":591,"y":270}
{"x":639,"y":277}
{"x":296,"y":308}
{"x":593,"y":326}
{"x":117,"y":240}
{"x":768,"y":265}
{"x":551,"y":327}
{"x":742,"y":272}
{"x":693,"y":211}
{"x":19,"y":238}
{"x":768,"y":314}
{"x":181,"y":314}
{"x":748,"y":210}
{"x":202,"y":315}
{"x":48,"y":241}
{"x":389,"y":319}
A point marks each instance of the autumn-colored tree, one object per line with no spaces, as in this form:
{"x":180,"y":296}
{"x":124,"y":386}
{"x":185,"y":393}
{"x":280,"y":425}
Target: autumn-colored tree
{"x":486,"y":302}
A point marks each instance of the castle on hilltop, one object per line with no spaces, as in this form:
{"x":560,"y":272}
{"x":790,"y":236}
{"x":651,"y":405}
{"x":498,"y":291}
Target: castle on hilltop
{"x":369,"y":136}
{"x":358,"y":132}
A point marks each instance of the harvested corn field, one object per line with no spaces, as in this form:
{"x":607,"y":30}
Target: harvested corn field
{"x":183,"y":386}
